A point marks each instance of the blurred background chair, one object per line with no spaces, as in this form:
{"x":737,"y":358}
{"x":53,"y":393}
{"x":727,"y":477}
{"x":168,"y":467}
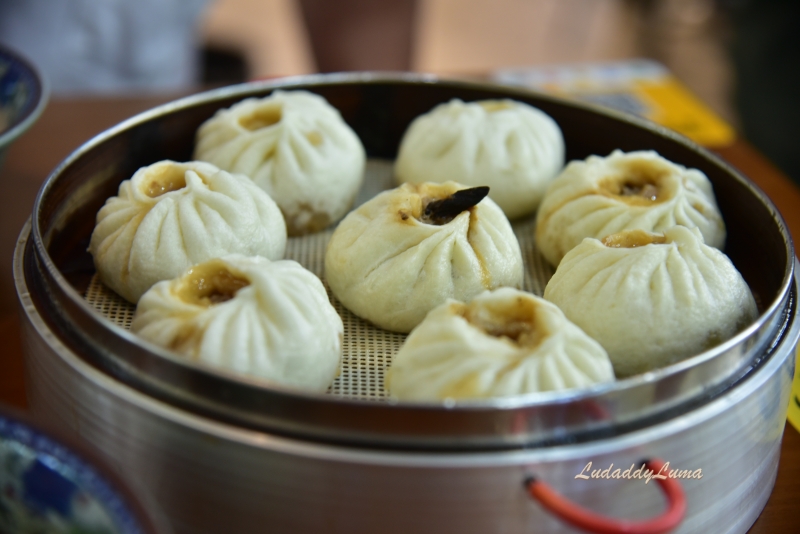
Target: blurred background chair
{"x":351,"y":35}
{"x":268,"y":37}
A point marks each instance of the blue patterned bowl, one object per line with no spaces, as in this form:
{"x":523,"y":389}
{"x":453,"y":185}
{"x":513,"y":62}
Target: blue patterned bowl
{"x":23,"y":96}
{"x":50,"y":485}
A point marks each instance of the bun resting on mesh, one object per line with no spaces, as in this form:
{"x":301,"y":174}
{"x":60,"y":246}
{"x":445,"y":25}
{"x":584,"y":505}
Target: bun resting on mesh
{"x":409,"y":249}
{"x":296,"y":147}
{"x":502,"y":343}
{"x":510,"y":146}
{"x":170,"y":216}
{"x":250,"y":316}
{"x":624,"y":191}
{"x":652,"y":299}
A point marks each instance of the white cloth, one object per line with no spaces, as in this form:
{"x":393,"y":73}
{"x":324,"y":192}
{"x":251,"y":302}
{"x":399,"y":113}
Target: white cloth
{"x":106,"y":46}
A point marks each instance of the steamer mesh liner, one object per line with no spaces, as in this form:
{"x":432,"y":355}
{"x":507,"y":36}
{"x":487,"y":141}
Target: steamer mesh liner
{"x":367,"y":350}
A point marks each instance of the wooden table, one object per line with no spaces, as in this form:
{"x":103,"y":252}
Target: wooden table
{"x":67,"y":123}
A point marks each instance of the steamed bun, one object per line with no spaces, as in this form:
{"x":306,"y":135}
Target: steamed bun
{"x":296,"y":147}
{"x":247,"y":315}
{"x":652,"y":299}
{"x":504,"y":342}
{"x":510,"y":146}
{"x":392,"y":260}
{"x":171,"y":215}
{"x":624,"y":191}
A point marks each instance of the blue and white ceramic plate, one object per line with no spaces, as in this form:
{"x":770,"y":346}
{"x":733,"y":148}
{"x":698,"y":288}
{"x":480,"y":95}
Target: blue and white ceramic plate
{"x":23,"y":96}
{"x":47,"y":487}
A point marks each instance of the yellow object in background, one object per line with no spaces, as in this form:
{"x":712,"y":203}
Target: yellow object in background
{"x":793,"y":415}
{"x":642,"y":87}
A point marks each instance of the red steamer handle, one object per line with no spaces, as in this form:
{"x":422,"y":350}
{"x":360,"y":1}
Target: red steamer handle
{"x":591,"y":522}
